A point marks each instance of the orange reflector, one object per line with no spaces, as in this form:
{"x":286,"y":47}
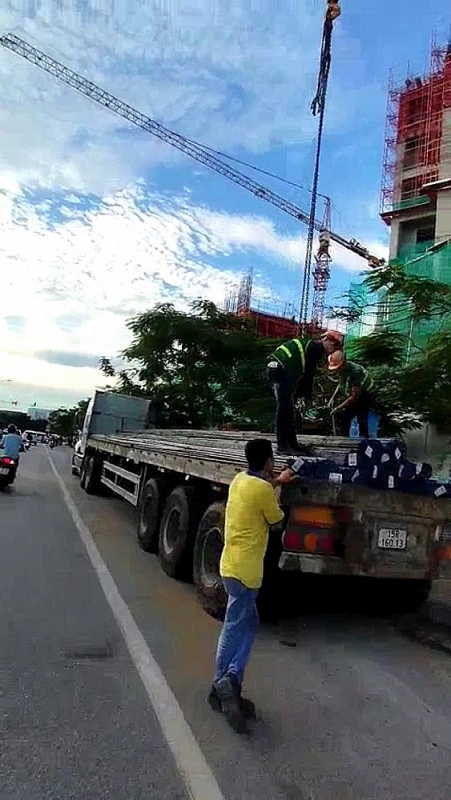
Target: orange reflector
{"x":310,"y":542}
{"x":444,"y":553}
{"x":313,"y":515}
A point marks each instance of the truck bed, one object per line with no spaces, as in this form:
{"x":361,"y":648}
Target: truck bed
{"x":213,"y":455}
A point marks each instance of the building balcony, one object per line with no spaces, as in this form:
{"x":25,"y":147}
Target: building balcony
{"x":411,"y":202}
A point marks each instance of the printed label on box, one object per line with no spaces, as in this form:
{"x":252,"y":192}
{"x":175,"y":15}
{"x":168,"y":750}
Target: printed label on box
{"x":369,"y":451}
{"x":441,"y":490}
{"x":335,"y":477}
{"x":391,"y":482}
{"x":352,"y":459}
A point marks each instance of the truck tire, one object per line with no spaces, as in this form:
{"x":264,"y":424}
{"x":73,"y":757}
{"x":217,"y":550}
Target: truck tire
{"x":90,"y":475}
{"x":177,"y":530}
{"x":208,"y":546}
{"x":149,"y":517}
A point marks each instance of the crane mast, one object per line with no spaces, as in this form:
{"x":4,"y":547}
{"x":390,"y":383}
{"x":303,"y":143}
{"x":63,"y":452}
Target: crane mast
{"x":191,"y":148}
{"x":321,"y":271}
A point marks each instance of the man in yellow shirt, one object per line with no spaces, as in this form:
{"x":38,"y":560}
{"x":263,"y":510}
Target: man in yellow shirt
{"x":252,"y":508}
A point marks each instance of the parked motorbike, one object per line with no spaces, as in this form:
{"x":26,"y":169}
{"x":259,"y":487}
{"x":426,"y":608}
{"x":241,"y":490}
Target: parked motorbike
{"x":8,"y":469}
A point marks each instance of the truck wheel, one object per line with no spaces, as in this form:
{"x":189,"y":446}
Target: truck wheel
{"x":207,"y":555}
{"x":90,"y":475}
{"x":177,"y":530}
{"x":149,"y":514}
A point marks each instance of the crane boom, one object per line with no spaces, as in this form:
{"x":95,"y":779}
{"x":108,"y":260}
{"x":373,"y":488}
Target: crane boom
{"x":187,"y":146}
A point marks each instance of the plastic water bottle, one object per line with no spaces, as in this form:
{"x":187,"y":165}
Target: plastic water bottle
{"x":354,"y":432}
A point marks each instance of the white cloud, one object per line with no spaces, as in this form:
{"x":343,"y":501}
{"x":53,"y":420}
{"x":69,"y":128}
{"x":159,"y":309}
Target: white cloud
{"x":70,"y":286}
{"x":225,"y":75}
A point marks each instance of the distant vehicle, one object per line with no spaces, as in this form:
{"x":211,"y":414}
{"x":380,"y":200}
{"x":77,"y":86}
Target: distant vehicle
{"x":31,"y":436}
{"x":77,"y":458}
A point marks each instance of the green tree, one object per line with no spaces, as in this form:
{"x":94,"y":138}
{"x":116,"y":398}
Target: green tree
{"x":412,"y":383}
{"x":203,"y":367}
{"x":64,"y":421}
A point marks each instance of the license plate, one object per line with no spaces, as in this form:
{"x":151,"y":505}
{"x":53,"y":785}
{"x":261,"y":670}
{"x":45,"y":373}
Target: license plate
{"x":392,"y":539}
{"x":4,"y":471}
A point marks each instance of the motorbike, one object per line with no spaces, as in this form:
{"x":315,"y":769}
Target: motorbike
{"x":8,"y":469}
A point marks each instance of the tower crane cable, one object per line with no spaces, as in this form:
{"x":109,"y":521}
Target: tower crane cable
{"x":318,"y":105}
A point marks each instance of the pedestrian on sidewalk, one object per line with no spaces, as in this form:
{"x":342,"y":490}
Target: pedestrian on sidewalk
{"x":252,"y":508}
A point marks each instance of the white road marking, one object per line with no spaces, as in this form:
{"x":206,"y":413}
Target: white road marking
{"x":194,"y":770}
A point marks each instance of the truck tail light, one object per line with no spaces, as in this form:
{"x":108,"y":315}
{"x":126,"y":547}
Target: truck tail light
{"x":313,"y":529}
{"x":310,"y":541}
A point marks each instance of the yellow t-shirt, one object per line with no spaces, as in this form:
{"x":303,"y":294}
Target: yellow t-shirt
{"x":251,"y":509}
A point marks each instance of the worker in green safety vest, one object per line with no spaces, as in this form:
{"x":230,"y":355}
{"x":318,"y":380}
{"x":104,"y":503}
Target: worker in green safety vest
{"x":356,"y":384}
{"x":290,"y":370}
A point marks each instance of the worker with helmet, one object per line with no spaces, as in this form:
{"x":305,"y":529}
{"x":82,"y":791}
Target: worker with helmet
{"x":356,"y":383}
{"x":291,"y":370}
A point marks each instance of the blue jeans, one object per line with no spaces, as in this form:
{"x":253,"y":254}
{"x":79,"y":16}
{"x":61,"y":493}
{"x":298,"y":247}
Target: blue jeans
{"x":238,"y":631}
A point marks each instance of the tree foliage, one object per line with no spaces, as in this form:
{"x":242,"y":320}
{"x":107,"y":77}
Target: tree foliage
{"x":412,"y":383}
{"x":205,"y":367}
{"x":64,"y":421}
{"x":21,"y":420}
{"x":202,"y":368}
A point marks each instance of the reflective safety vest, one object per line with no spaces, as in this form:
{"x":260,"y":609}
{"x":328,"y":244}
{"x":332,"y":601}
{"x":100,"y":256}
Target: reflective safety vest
{"x":353,"y":371}
{"x":291,"y":355}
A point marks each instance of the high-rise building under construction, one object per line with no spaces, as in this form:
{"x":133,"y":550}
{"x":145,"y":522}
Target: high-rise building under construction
{"x":416,"y":185}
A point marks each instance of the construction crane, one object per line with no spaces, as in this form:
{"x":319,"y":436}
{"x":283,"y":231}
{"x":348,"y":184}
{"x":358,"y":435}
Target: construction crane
{"x":321,"y":272}
{"x":200,"y":153}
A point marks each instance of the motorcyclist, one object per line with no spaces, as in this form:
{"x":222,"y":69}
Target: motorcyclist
{"x":12,"y":445}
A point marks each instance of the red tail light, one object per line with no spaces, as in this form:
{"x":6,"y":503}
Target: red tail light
{"x":7,"y":462}
{"x":315,"y":541}
{"x":315,"y":529}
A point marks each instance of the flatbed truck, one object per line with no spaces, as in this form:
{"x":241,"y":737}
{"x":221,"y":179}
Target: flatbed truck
{"x":178,"y":481}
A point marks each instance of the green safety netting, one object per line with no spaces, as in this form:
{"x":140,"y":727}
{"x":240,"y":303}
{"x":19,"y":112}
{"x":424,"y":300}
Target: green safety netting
{"x":425,"y":260}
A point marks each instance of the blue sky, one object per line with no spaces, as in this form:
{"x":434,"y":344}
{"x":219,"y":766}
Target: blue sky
{"x":99,"y":220}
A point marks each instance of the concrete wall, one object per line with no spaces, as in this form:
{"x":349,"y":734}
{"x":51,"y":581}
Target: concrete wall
{"x":443,"y":228}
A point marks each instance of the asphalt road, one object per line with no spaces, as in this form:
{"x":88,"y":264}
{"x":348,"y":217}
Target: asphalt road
{"x":353,"y":712}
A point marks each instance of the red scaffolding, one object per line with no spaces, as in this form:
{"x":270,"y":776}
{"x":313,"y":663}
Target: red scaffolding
{"x":413,"y":133}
